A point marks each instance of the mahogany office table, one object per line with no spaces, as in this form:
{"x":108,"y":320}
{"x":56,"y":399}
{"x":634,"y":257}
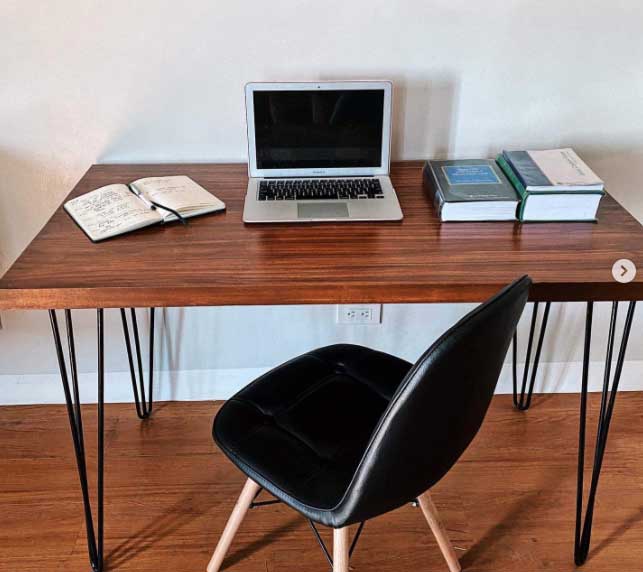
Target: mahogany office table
{"x":216,"y":260}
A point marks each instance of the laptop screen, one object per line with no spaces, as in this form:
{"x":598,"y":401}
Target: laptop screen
{"x":318,"y":128}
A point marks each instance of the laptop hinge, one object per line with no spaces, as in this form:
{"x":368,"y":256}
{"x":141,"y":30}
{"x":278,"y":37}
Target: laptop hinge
{"x":324,"y":177}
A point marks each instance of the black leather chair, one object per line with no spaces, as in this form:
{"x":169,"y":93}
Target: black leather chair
{"x":344,"y":433}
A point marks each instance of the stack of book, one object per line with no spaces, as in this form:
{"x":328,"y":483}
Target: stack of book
{"x":548,"y":185}
{"x":554,"y":185}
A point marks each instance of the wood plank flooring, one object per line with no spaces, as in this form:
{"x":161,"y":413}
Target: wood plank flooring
{"x":508,"y":504}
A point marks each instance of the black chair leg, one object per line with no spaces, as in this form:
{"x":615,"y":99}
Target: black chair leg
{"x":72,"y":400}
{"x":143,"y":405}
{"x":523,"y":401}
{"x":584,"y":527}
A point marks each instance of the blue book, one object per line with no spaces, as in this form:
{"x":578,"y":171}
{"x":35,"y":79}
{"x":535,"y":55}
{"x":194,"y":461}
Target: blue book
{"x":470,"y":190}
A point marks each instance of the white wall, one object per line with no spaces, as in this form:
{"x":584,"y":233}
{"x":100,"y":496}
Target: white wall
{"x":158,"y":81}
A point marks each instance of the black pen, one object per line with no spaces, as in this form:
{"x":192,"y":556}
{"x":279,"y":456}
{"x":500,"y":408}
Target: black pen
{"x":154,"y":205}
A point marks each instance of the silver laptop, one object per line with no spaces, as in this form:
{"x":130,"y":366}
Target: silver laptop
{"x":319,"y":152}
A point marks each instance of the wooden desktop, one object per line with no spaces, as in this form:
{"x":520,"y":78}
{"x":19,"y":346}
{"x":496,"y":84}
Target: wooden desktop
{"x":217,"y":260}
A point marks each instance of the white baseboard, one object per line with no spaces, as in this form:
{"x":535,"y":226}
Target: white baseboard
{"x":563,"y":377}
{"x":183,"y":385}
{"x":196,"y":385}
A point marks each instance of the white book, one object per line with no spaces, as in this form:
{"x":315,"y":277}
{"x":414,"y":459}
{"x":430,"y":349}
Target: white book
{"x":116,"y":209}
{"x":561,"y":207}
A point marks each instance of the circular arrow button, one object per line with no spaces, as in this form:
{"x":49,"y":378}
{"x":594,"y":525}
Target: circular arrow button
{"x":624,"y":270}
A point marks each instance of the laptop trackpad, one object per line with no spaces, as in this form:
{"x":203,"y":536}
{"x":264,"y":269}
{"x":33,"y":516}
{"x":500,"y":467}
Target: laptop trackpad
{"x":322,"y":210}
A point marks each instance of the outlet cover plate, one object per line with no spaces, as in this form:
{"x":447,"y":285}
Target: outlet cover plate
{"x":362,"y":314}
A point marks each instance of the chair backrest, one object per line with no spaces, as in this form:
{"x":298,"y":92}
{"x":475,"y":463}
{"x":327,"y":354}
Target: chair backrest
{"x":437,"y":410}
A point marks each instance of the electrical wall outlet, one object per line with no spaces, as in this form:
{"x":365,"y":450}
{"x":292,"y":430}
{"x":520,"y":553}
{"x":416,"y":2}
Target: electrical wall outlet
{"x":359,"y":313}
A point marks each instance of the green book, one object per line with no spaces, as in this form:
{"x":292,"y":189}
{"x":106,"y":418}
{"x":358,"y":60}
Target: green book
{"x":508,"y":171}
{"x":551,"y":205}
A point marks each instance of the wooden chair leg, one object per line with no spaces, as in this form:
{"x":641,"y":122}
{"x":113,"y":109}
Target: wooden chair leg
{"x":246,"y":497}
{"x":440,"y":533}
{"x":341,"y":546}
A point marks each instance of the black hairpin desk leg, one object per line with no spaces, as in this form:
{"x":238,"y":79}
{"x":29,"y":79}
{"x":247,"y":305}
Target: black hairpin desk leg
{"x":584,"y":527}
{"x":72,"y":400}
{"x":143,"y":406}
{"x":523,"y":402}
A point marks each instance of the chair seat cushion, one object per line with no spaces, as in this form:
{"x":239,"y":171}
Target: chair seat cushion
{"x":300,"y":430}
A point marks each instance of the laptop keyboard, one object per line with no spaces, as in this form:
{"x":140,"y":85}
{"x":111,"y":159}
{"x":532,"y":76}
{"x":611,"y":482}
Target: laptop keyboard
{"x":318,"y":189}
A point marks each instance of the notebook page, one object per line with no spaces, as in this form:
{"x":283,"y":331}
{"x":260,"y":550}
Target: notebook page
{"x":109,"y":211}
{"x":179,"y":193}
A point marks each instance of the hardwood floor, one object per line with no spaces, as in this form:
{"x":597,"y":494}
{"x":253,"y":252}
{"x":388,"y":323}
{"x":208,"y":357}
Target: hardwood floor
{"x":508,"y":504}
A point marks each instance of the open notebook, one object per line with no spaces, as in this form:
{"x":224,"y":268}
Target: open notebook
{"x":117,"y":209}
